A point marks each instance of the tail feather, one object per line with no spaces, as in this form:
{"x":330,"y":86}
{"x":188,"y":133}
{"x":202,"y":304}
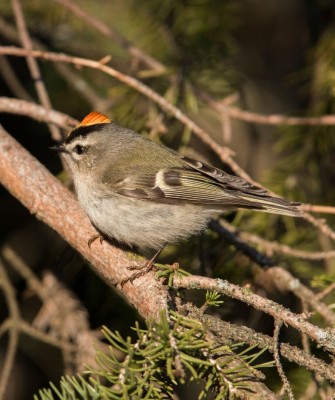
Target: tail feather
{"x":274,"y":205}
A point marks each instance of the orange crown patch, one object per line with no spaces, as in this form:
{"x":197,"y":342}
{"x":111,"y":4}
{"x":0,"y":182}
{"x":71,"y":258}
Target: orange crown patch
{"x":92,"y":118}
{"x":95,"y":118}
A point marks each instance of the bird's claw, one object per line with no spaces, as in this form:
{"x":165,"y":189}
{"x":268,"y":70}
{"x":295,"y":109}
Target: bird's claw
{"x":94,"y":238}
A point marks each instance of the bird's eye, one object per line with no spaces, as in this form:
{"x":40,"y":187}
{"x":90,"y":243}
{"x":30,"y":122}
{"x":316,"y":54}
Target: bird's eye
{"x":78,"y":149}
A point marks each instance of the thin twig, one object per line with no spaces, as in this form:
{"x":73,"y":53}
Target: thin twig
{"x":318,"y":208}
{"x":325,"y":292}
{"x":14,"y":312}
{"x":37,"y":334}
{"x":19,"y":265}
{"x":33,"y":65}
{"x":35,"y":111}
{"x":12,"y":81}
{"x":270,"y":119}
{"x":274,"y":247}
{"x":284,"y":281}
{"x":5,"y":326}
{"x":286,"y":383}
{"x":304,"y":338}
{"x":320,"y":224}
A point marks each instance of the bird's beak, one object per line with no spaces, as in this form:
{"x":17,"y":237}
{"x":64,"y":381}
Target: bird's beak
{"x":59,"y":148}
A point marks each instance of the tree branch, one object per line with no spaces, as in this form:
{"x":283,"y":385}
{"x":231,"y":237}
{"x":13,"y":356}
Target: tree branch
{"x":33,"y":110}
{"x":324,"y":337}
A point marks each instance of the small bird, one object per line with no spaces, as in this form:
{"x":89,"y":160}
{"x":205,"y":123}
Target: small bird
{"x":146,"y":195}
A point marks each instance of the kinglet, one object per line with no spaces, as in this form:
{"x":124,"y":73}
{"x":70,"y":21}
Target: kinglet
{"x":146,"y":195}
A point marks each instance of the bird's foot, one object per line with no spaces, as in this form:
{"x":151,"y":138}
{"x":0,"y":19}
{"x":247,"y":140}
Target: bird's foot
{"x":94,"y":238}
{"x":141,"y":270}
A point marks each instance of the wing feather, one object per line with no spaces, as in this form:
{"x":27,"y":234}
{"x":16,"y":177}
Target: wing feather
{"x":199,"y":183}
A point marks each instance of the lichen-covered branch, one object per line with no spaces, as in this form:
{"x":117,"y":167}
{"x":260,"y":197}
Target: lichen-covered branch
{"x":324,"y":337}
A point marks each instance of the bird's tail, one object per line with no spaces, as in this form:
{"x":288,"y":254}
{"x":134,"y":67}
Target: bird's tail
{"x":270,"y":204}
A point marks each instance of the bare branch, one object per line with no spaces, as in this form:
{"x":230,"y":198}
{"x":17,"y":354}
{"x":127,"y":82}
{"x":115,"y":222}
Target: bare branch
{"x":37,"y":334}
{"x":12,"y":81}
{"x":330,"y":289}
{"x":286,"y":384}
{"x":318,"y":208}
{"x":321,"y":225}
{"x":33,"y":110}
{"x":271,"y":247}
{"x":284,"y":281}
{"x":263,"y":119}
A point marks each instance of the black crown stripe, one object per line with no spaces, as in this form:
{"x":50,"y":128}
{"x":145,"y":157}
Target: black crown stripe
{"x":84,"y":131}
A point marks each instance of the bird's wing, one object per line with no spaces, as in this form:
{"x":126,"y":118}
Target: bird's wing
{"x":199,"y":183}
{"x":175,"y":185}
{"x":228,"y":181}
